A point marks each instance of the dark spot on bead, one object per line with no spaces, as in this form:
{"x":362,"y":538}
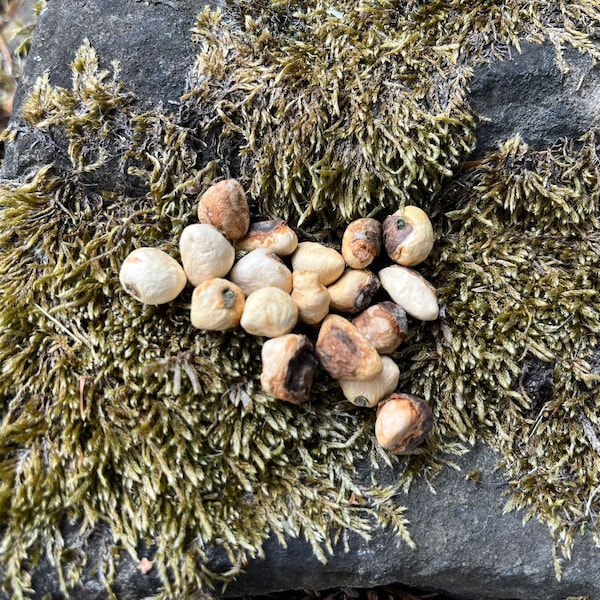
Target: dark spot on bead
{"x":133,"y":290}
{"x":229,"y":297}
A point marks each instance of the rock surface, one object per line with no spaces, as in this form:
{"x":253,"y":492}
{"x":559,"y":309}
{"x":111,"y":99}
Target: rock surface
{"x":527,"y":94}
{"x":151,"y":41}
{"x":466,"y":546}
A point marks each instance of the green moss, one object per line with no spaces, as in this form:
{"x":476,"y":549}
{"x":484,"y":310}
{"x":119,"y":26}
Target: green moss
{"x":119,"y":412}
{"x":112,"y":411}
{"x":381,"y":115}
{"x":374,"y":119}
{"x":518,"y":273}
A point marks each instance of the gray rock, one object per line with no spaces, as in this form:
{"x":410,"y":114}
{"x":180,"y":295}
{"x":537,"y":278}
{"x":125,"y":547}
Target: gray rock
{"x":527,"y":94}
{"x":130,"y":583}
{"x":151,"y":41}
{"x":466,"y":546}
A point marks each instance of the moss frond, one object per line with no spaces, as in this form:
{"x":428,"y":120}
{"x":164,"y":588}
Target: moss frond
{"x":518,"y":273}
{"x":380,"y":113}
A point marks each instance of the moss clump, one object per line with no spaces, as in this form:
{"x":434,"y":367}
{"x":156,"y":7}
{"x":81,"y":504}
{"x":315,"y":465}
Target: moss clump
{"x":112,"y":411}
{"x":379,"y":114}
{"x":343,"y":109}
{"x":116,"y":412}
{"x":518,"y":272}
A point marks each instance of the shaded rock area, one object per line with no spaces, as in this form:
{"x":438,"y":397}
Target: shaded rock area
{"x":528,"y":94}
{"x":151,"y":42}
{"x":466,"y":546}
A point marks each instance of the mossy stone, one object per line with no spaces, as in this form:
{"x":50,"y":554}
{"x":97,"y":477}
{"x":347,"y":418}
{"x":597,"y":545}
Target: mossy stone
{"x":116,"y":412}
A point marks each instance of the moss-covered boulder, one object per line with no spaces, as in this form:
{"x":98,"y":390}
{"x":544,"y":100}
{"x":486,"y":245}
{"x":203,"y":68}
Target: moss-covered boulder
{"x":139,"y":456}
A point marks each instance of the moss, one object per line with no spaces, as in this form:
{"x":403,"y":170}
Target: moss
{"x":380,"y":116}
{"x":116,"y":412}
{"x":518,"y":273}
{"x":369,"y":123}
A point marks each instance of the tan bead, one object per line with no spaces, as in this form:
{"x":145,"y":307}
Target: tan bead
{"x":361,"y":242}
{"x":261,"y":268}
{"x":384,"y":325}
{"x":411,"y":291}
{"x":224,"y":206}
{"x":353,"y":291}
{"x":269,"y":312}
{"x":327,"y":262}
{"x":288,"y":367}
{"x":408,"y":236}
{"x":274,"y":235}
{"x":403,"y":421}
{"x":310,"y":296}
{"x":344,"y":352}
{"x":217,"y":305}
{"x":369,"y":392}
{"x":205,"y":253}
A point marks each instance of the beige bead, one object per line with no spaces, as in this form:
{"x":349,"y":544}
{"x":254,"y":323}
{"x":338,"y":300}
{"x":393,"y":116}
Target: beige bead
{"x":274,"y":235}
{"x":361,"y":242}
{"x":408,"y":236}
{"x":353,"y":291}
{"x":369,"y":392}
{"x":403,"y":421}
{"x":310,"y":296}
{"x":224,"y":206}
{"x":288,"y":367}
{"x":152,"y":276}
{"x":384,"y":325}
{"x":411,"y":291}
{"x":261,"y":268}
{"x":327,"y":262}
{"x":344,"y":353}
{"x":269,"y":312}
{"x":205,"y":253}
{"x":217,"y":305}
